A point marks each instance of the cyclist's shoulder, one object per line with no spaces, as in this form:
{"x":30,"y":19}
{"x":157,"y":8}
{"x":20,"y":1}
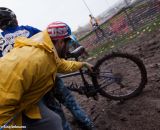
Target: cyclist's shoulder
{"x":12,"y":30}
{"x":31,"y":29}
{"x":28,"y":27}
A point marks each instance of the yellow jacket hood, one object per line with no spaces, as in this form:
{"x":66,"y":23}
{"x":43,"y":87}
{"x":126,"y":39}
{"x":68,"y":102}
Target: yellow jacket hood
{"x":40,"y":40}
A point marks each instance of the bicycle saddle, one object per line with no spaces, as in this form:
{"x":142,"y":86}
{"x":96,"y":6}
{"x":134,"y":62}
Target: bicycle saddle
{"x":76,"y":53}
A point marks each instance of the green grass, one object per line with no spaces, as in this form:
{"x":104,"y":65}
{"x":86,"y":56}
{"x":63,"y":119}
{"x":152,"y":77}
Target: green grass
{"x":108,"y":46}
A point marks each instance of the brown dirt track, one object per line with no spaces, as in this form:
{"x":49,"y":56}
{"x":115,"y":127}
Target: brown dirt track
{"x":139,"y":113}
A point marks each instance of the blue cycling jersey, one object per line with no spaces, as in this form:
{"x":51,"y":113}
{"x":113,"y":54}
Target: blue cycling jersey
{"x":7,"y":37}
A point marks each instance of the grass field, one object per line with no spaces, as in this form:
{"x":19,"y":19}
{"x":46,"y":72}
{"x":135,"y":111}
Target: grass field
{"x":109,"y":45}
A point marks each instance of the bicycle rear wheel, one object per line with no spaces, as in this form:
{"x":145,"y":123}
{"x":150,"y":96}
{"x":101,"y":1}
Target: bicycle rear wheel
{"x":120,"y":76}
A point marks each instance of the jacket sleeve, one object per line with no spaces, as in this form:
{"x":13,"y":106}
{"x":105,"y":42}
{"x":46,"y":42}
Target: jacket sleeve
{"x":65,"y":66}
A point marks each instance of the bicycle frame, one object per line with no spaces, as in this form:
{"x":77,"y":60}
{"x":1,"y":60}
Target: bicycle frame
{"x":89,"y":89}
{"x":108,"y":81}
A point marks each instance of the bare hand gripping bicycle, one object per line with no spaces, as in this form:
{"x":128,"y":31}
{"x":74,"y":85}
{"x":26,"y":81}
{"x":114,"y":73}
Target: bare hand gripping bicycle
{"x":117,"y":76}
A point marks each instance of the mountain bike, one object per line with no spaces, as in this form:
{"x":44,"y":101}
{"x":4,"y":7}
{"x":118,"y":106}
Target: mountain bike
{"x":117,"y":76}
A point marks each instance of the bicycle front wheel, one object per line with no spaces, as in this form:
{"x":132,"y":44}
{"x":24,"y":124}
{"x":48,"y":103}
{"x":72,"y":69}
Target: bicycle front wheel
{"x":120,"y":76}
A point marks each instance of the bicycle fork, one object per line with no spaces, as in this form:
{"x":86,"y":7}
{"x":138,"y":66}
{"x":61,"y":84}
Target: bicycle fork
{"x":88,"y":92}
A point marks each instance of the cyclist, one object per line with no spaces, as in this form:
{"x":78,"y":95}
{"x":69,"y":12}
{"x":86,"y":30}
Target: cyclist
{"x":9,"y":25}
{"x":64,"y":96}
{"x":31,"y":68}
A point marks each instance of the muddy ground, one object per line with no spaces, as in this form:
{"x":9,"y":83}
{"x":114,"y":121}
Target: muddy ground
{"x":139,"y":113}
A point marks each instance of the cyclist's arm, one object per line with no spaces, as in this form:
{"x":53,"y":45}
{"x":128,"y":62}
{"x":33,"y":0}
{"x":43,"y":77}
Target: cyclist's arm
{"x":71,"y":66}
{"x":65,"y":66}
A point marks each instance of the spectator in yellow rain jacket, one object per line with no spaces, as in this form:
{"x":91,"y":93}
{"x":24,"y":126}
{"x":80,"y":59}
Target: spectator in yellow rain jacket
{"x":28,"y":73}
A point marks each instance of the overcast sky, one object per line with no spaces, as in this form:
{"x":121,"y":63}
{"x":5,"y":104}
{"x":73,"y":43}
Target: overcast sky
{"x":39,"y":13}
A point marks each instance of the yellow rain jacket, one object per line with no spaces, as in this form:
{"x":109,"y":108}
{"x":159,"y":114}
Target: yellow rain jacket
{"x":27,"y":74}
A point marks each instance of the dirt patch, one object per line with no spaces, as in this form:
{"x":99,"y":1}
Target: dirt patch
{"x":139,"y":113}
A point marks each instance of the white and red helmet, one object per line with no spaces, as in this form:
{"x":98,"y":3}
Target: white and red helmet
{"x":58,"y":30}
